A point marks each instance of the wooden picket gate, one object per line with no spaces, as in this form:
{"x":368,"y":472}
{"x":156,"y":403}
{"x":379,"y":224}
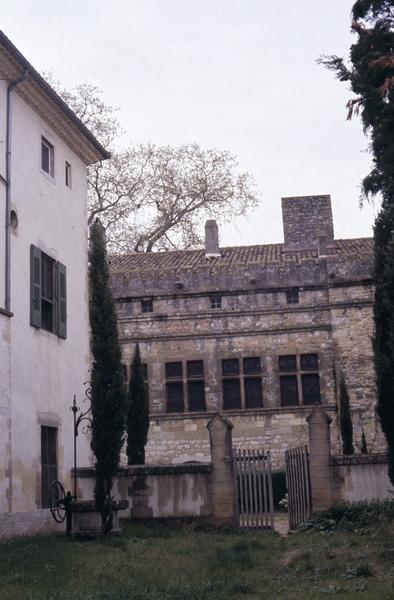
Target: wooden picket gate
{"x":298,"y":485}
{"x":253,"y":484}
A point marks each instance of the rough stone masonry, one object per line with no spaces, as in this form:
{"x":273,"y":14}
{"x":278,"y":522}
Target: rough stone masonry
{"x":258,"y":333}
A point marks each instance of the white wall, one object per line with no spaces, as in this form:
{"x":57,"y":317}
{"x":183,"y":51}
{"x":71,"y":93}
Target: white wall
{"x":3,"y":100}
{"x":46,"y":371}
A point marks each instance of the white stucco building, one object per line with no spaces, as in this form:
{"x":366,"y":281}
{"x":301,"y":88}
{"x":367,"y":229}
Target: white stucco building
{"x":44,"y":329}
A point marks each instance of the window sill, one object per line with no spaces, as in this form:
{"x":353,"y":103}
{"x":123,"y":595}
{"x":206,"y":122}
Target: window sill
{"x":243,"y":412}
{"x":6,"y":313}
{"x":50,"y":178}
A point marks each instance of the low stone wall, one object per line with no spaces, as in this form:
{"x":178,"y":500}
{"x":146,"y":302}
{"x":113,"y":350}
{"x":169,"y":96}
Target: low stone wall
{"x":157,"y":491}
{"x":360,"y":477}
{"x":27,"y":523}
{"x":197,"y":490}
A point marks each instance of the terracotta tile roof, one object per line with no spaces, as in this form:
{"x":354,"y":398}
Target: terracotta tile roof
{"x":242,"y":255}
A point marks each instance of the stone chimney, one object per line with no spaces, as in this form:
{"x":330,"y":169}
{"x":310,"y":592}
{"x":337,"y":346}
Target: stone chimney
{"x":211,"y":239}
{"x":307,"y":222}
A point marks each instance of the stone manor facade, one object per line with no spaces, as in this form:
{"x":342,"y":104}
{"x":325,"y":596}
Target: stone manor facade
{"x":258,"y":333}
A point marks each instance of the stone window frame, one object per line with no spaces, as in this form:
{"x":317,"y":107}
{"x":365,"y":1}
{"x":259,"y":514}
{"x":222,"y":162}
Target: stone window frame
{"x":300,"y":373}
{"x":186,"y":379}
{"x":242,"y":375}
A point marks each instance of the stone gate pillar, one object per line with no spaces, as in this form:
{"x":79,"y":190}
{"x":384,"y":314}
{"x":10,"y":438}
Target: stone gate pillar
{"x":222,"y":485}
{"x":319,"y":452}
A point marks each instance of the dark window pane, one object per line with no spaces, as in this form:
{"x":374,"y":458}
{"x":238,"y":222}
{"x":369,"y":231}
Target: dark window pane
{"x":253,"y":395}
{"x":288,"y":390}
{"x":292,"y":296}
{"x":252,"y":365}
{"x":47,"y":157}
{"x":45,"y":162}
{"x":287,"y":363}
{"x":48,"y":462}
{"x":310,"y":388}
{"x":230,"y":366}
{"x":195,"y":368}
{"x":175,"y":396}
{"x":124,"y":373}
{"x":216,"y":301}
{"x":46,"y":315}
{"x":145,"y":371}
{"x":231,"y":394}
{"x":173,"y":369}
{"x":309,"y":362}
{"x":68,"y":174}
{"x":147,"y":306}
{"x":46,"y":277}
{"x":196,"y":394}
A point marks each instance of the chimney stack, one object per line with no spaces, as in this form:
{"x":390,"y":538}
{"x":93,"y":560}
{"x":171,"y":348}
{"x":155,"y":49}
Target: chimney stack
{"x":211,"y":239}
{"x":307,"y":222}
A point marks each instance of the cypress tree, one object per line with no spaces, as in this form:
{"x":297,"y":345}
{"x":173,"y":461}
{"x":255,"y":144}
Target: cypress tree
{"x":371,"y":78}
{"x":137,"y":413}
{"x":108,"y":407}
{"x":345,"y":419}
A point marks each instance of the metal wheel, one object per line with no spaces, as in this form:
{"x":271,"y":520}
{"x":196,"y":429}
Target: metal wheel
{"x":57,"y":501}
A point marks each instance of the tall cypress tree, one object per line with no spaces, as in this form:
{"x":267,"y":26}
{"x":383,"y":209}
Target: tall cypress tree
{"x":137,"y":413}
{"x":371,"y":78}
{"x":108,"y":406}
{"x":345,"y":418}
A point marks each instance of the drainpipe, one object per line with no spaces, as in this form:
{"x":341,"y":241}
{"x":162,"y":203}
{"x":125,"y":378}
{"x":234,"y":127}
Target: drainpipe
{"x":11,"y":86}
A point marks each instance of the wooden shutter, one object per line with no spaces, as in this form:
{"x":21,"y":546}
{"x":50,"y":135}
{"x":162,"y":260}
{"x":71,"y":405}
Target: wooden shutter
{"x":35,"y":286}
{"x":61,"y":300}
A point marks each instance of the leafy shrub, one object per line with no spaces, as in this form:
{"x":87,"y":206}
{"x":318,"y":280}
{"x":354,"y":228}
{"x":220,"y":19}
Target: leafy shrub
{"x":351,"y":516}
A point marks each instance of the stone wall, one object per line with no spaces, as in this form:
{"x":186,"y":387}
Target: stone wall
{"x":154,"y":491}
{"x":27,"y":523}
{"x":177,"y":491}
{"x":360,"y":477}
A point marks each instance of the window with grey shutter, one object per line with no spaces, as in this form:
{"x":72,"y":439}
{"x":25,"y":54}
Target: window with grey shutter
{"x":35,"y":286}
{"x":61,"y":301}
{"x":48,"y":293}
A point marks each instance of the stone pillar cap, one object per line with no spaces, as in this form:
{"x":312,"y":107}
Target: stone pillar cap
{"x":318,"y":414}
{"x":219,"y":418}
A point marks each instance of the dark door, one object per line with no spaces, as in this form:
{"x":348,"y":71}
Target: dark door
{"x":48,"y":462}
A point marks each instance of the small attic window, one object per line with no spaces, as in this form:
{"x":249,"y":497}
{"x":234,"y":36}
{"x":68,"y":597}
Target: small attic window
{"x":147,"y":306}
{"x":292,"y":296}
{"x":216,"y":301}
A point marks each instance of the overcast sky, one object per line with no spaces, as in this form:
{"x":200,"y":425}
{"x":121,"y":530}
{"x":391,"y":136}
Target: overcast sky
{"x":239,"y":75}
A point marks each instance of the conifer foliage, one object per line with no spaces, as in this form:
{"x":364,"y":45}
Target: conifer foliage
{"x":108,"y":406}
{"x":345,"y":418}
{"x":371,"y":78}
{"x":137,"y":413}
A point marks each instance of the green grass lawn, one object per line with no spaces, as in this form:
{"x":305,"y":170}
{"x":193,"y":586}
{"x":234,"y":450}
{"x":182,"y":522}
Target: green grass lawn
{"x":160,"y":562}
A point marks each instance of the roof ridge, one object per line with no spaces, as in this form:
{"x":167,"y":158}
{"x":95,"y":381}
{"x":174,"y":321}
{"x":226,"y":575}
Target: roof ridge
{"x":235,"y":248}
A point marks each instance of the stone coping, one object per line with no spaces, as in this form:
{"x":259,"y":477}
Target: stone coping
{"x":178,"y":469}
{"x":242,"y":412}
{"x":359,"y":459}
